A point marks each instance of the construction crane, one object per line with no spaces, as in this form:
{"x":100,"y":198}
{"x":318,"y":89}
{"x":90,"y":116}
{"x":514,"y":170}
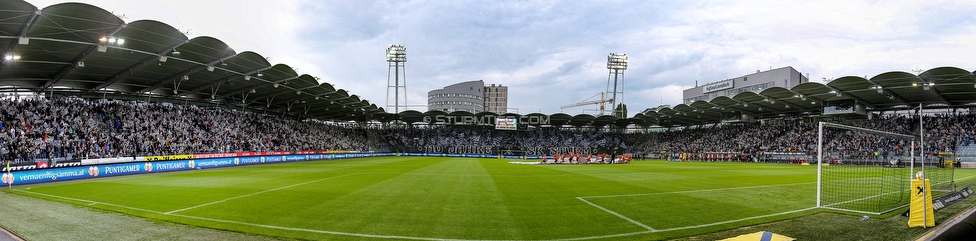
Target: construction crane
{"x":602,"y":102}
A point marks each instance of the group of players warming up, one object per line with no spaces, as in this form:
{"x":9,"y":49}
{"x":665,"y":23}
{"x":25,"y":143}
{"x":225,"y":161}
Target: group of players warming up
{"x":580,"y":158}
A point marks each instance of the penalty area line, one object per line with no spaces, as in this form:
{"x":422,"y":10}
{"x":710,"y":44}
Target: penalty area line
{"x":256,"y":193}
{"x":617,"y":214}
{"x":695,"y":191}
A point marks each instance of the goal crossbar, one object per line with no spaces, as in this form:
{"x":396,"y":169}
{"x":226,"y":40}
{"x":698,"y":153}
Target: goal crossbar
{"x":872,"y":131}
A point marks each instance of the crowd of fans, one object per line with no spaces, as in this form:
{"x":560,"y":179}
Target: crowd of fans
{"x":415,"y":138}
{"x":944,"y":132}
{"x":75,"y":128}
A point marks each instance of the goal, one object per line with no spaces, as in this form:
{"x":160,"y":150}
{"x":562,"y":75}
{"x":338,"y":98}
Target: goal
{"x":869,"y":171}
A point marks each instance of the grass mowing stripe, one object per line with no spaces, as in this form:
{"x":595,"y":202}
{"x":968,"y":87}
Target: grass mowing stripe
{"x":405,"y":237}
{"x":256,"y":193}
{"x":315,"y":230}
{"x":617,"y":214}
{"x":234,"y":222}
{"x":453,"y":199}
{"x":426,"y":238}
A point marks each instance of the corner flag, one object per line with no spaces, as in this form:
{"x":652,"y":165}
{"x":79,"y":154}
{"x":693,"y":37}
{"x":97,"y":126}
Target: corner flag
{"x":10,"y":182}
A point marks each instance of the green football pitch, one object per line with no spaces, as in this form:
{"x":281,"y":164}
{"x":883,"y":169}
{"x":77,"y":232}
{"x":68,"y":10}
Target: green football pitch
{"x":435,"y":198}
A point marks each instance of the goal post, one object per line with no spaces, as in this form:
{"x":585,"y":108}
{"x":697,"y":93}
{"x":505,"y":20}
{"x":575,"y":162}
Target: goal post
{"x":864,"y":170}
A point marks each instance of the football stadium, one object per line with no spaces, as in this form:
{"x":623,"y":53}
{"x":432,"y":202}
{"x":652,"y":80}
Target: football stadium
{"x":116,"y":130}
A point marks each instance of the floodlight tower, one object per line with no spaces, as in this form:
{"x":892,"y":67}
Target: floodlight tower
{"x":616,"y":63}
{"x":396,"y":56}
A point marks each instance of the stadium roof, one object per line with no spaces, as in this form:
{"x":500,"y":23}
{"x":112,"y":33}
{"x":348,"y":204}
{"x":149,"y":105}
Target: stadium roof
{"x":76,"y":47}
{"x":943,"y":87}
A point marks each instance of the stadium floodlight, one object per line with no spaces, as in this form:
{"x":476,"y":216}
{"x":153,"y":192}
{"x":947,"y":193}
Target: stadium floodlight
{"x":396,"y":53}
{"x":111,"y":40}
{"x":616,"y":63}
{"x":396,"y":56}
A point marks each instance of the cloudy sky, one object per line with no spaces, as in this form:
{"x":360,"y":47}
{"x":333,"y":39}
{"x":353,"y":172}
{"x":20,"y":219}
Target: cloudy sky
{"x":552,"y":53}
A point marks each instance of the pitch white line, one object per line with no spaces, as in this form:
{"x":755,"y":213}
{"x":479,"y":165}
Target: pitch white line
{"x":256,"y":193}
{"x":862,"y":212}
{"x":831,"y":206}
{"x":694,"y":191}
{"x":617,"y":214}
{"x":363,"y":235}
{"x":90,"y":202}
{"x":650,"y":230}
{"x":737,"y":220}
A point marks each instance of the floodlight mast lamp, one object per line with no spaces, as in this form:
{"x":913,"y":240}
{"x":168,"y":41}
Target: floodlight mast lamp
{"x":396,"y":56}
{"x":616,"y":63}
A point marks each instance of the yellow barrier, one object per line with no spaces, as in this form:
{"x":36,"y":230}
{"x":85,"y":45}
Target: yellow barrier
{"x":921,"y":212}
{"x":169,"y":158}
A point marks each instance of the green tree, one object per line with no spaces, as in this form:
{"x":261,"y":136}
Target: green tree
{"x":620,"y":111}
